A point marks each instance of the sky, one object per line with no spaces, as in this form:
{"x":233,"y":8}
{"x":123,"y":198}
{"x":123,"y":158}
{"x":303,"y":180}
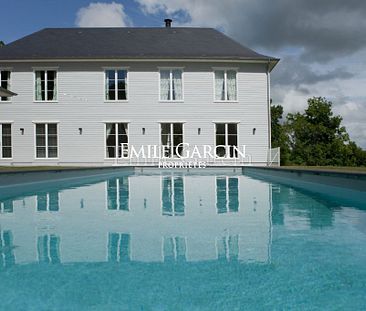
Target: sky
{"x":321,"y":44}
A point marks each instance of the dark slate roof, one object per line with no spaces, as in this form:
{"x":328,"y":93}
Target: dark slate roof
{"x":134,"y":43}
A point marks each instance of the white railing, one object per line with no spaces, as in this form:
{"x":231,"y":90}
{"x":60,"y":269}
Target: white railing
{"x":274,"y":157}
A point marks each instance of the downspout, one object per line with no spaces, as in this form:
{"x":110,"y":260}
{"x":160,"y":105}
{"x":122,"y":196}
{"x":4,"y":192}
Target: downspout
{"x":269,"y":109}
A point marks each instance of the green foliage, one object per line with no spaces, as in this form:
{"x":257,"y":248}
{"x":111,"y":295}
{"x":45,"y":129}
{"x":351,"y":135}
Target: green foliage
{"x":315,"y":137}
{"x":2,"y":43}
{"x":279,"y":137}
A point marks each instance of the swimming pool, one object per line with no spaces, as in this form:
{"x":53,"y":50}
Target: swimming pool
{"x":173,"y":240}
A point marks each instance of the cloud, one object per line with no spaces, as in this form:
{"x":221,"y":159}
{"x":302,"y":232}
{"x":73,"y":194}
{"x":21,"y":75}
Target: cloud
{"x":100,"y":14}
{"x":322,"y":45}
{"x":322,"y":29}
{"x":297,"y":73}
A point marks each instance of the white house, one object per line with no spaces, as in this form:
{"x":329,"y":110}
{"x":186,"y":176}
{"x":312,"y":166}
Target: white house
{"x":88,"y":96}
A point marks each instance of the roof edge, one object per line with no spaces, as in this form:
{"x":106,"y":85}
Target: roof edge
{"x":6,"y":93}
{"x":146,"y":59}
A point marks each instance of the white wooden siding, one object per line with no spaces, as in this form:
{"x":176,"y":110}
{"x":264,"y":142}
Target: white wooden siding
{"x":81,"y":104}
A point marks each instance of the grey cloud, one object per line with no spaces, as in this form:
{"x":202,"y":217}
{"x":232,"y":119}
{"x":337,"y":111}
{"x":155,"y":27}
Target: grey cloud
{"x":325,"y":38}
{"x":324,"y":29}
{"x":293,"y":72}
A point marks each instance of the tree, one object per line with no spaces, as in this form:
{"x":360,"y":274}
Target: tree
{"x":316,"y":137}
{"x":2,"y":43}
{"x":278,"y":135}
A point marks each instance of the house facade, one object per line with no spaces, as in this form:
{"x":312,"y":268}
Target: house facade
{"x":88,"y":96}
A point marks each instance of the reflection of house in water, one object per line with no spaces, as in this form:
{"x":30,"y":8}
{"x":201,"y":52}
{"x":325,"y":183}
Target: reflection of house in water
{"x":119,"y":247}
{"x":7,"y":257}
{"x":48,"y":247}
{"x":174,"y":249}
{"x":172,"y":195}
{"x":6,"y":206}
{"x":118,"y":194}
{"x":297,"y":210}
{"x":227,"y":194}
{"x":228,"y":247}
{"x":224,"y":217}
{"x":48,"y":202}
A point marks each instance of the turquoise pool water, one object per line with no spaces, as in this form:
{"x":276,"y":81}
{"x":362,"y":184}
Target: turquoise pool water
{"x":179,"y":241}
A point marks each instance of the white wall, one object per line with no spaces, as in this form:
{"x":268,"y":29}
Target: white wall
{"x":81,"y":104}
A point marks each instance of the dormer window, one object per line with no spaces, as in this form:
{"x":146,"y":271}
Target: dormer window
{"x":225,"y":85}
{"x":45,"y":85}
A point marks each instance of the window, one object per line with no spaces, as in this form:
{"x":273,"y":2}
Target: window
{"x":227,"y":194}
{"x":228,"y":248}
{"x":171,"y":85}
{"x":116,"y":140}
{"x":115,"y":85}
{"x":6,"y":206}
{"x":118,"y":194}
{"x":46,"y":85}
{"x":5,"y":82}
{"x":46,"y":140}
{"x":5,"y":134}
{"x":173,"y":196}
{"x":174,"y":249}
{"x":48,"y":247}
{"x":172,"y":139}
{"x":226,"y":140}
{"x":48,"y":202}
{"x":119,"y":247}
{"x":7,"y":257}
{"x":225,"y":85}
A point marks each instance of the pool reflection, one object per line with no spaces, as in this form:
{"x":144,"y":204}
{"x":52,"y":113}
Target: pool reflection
{"x":48,"y":247}
{"x":7,"y":258}
{"x":146,"y":218}
{"x":119,"y":247}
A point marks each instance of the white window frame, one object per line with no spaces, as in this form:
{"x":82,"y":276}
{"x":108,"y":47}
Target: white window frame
{"x":175,"y":246}
{"x":116,"y":79}
{"x":116,"y":143}
{"x":173,"y":195}
{"x":1,"y":139}
{"x":48,"y":202}
{"x":46,"y":136}
{"x":9,"y":99}
{"x":226,"y":135}
{"x":225,"y":69}
{"x":170,"y":69}
{"x":45,"y":69}
{"x":118,"y":190}
{"x":173,"y":156}
{"x":120,"y":234}
{"x":227,"y":193}
{"x":227,"y":245}
{"x":2,"y":206}
{"x":2,"y":246}
{"x":49,"y":257}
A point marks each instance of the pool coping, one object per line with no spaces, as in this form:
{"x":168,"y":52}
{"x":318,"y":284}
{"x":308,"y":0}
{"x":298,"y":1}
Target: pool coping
{"x":310,"y":171}
{"x":315,"y":171}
